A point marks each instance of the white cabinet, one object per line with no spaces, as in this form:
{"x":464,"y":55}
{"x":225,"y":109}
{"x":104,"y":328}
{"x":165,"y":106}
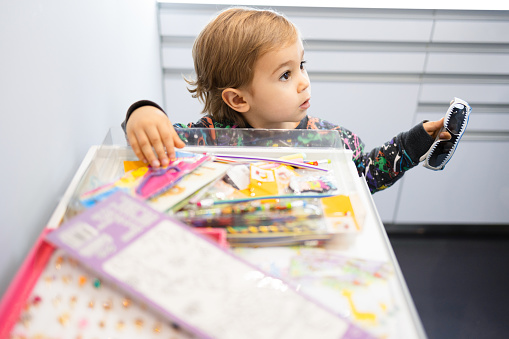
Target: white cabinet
{"x":361,"y":108}
{"x":468,"y":63}
{"x":488,"y":27}
{"x":473,"y":189}
{"x":378,"y":72}
{"x":351,"y":25}
{"x":481,"y":93}
{"x":364,"y":61}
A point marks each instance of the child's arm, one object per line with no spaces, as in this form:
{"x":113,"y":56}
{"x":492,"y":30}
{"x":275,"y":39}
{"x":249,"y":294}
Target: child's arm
{"x":383,"y":166}
{"x":400,"y":154}
{"x":151,"y":134}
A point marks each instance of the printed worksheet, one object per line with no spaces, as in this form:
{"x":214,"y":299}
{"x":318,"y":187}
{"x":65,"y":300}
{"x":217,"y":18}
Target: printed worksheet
{"x":189,"y":279}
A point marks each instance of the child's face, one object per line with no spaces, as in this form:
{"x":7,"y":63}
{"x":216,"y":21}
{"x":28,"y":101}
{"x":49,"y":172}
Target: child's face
{"x":279,"y":94}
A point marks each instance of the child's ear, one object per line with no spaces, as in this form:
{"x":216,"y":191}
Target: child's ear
{"x":235,"y":99}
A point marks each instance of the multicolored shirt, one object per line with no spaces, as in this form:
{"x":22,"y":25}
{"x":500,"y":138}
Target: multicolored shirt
{"x":381,"y":166}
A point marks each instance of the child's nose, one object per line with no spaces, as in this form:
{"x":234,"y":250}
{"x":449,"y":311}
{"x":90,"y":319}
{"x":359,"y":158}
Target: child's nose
{"x":303,"y":82}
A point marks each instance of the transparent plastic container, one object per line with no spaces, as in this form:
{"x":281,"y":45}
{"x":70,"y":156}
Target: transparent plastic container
{"x":106,"y":164}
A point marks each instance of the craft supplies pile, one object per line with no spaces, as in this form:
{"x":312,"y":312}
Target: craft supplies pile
{"x":259,"y":201}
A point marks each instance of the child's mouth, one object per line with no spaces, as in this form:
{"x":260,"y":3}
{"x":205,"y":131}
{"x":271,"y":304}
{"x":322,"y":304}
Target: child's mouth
{"x":305,"y":105}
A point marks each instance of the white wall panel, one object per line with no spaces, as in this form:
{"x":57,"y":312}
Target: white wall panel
{"x":471,"y":31}
{"x":363,"y":29}
{"x":473,"y":93}
{"x":180,"y":105}
{"x":468,"y":63}
{"x":472,"y":189}
{"x":183,"y":23}
{"x":364,"y":62}
{"x":69,"y":71}
{"x":362,"y":108}
{"x":176,"y":57}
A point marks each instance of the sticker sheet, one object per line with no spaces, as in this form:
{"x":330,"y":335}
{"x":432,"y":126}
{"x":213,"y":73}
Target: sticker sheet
{"x":71,"y":302}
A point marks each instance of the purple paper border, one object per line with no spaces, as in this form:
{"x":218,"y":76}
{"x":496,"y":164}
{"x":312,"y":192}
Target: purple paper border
{"x":353,"y":331}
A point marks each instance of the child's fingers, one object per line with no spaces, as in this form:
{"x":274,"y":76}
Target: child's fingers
{"x":445,"y":135}
{"x":159,"y":158}
{"x":166,"y":132}
{"x":175,"y":142}
{"x":433,"y":127}
{"x":133,"y":142}
{"x":145,"y":149}
{"x":437,"y":125}
{"x":179,"y":143}
{"x":440,"y":122}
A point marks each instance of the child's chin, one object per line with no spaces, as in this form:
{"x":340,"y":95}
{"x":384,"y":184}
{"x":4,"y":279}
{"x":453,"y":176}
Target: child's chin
{"x":303,"y":114}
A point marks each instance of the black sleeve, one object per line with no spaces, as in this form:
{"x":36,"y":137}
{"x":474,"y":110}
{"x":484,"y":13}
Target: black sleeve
{"x":137,"y":105}
{"x":385,"y":165}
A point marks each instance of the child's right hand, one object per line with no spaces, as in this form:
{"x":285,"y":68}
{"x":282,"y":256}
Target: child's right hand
{"x":152,"y":136}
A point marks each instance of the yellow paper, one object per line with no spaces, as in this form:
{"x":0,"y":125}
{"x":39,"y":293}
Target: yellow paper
{"x":130,"y":165}
{"x":338,"y":207}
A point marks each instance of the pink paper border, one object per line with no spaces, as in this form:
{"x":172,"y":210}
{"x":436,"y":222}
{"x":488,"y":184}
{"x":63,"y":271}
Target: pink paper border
{"x":24,"y":281}
{"x":28,"y":274}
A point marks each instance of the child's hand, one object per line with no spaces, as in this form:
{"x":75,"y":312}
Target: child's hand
{"x":148,"y":127}
{"x":433,"y":127}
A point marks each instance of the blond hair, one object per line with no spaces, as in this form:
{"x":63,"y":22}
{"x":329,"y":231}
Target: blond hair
{"x":225,"y":53}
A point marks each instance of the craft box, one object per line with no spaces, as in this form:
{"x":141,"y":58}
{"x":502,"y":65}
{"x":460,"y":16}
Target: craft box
{"x":393,"y":317}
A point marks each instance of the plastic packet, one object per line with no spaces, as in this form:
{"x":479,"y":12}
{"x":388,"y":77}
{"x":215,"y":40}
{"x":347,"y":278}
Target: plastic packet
{"x":264,"y":222}
{"x":265,"y":180}
{"x":145,"y":182}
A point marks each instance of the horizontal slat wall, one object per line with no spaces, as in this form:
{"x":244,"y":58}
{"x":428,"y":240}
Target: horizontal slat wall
{"x":478,"y":27}
{"x":353,"y":26}
{"x":378,"y":72}
{"x":364,"y":61}
{"x":468,"y":63}
{"x":477,"y":93}
{"x":472,"y":63}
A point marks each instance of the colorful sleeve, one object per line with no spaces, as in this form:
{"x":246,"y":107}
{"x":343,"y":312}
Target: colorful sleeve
{"x":200,"y":133}
{"x":384,"y":165}
{"x":204,"y":122}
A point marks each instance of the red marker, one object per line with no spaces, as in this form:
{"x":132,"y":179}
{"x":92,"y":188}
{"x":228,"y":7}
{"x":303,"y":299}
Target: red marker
{"x":318,"y":162}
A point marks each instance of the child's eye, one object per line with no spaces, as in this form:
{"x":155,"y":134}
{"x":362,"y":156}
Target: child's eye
{"x":302,"y":64}
{"x":285,"y":76}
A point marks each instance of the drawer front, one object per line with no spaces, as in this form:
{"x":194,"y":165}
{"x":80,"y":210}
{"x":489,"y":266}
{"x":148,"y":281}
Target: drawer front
{"x":362,"y":28}
{"x":473,"y":31}
{"x":470,"y":190}
{"x":468,"y":63}
{"x":474,"y":93}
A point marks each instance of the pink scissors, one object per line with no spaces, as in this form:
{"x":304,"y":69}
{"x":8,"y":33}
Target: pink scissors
{"x":157,"y":181}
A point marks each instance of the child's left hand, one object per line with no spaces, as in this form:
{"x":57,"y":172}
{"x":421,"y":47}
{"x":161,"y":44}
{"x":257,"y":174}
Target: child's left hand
{"x":433,"y":127}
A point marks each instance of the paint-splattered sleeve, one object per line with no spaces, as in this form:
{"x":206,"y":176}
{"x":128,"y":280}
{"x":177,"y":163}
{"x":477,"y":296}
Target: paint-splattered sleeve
{"x":206,"y":122}
{"x":383,"y":166}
